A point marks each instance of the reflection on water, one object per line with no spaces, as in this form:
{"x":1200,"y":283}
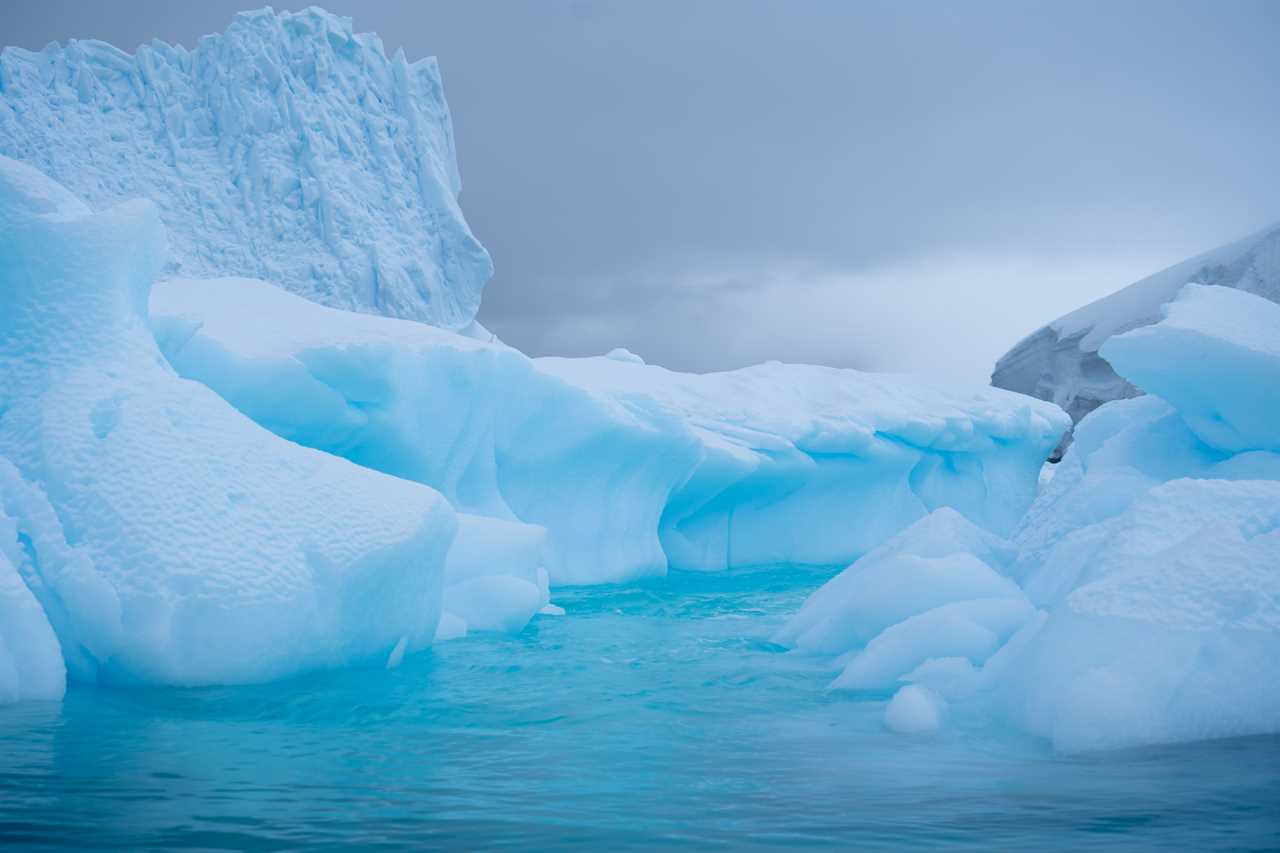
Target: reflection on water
{"x":656,"y":712}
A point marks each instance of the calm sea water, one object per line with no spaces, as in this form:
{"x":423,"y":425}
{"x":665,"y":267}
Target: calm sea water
{"x":655,"y":714}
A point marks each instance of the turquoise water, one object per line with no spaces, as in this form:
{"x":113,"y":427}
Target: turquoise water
{"x":655,"y":714}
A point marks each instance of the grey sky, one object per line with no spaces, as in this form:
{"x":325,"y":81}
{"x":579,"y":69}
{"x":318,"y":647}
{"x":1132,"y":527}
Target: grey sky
{"x":897,"y":186}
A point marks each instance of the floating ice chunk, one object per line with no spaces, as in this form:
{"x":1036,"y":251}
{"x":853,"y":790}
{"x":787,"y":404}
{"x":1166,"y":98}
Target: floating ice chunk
{"x":915,"y":710}
{"x":167,"y":537}
{"x":1216,"y":358}
{"x":932,"y":563}
{"x":289,"y":147}
{"x":451,"y":627}
{"x":494,"y":575}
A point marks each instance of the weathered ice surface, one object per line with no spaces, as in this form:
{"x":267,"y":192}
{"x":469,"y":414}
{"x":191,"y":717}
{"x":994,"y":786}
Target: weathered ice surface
{"x":287,"y":148}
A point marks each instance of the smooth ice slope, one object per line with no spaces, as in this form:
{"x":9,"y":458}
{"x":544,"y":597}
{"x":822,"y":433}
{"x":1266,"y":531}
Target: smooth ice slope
{"x":1152,"y":554}
{"x":1061,"y":362}
{"x":628,"y":467}
{"x":287,"y":148}
{"x":165,"y":536}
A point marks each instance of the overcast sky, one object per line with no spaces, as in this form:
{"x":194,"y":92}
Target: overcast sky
{"x":892,"y":186}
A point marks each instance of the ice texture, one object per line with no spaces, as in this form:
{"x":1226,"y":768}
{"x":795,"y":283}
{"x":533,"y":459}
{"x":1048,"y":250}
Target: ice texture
{"x":1147,"y":571}
{"x":1062,"y":361}
{"x":165,"y":536}
{"x":288,"y":148}
{"x":629,"y":468}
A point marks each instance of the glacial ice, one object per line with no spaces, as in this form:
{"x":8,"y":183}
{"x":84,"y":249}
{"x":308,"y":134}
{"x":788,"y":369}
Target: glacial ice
{"x":1150,"y":562}
{"x":629,"y":468}
{"x":287,"y":148}
{"x":1062,"y":361}
{"x":376,"y":484}
{"x":165,"y":536}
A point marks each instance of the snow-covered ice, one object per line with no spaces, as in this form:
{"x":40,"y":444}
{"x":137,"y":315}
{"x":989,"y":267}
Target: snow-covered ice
{"x":288,"y":148}
{"x":630,"y":468}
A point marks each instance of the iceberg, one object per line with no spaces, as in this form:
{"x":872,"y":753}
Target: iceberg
{"x":629,"y":468}
{"x":1148,"y":569}
{"x":287,"y":148}
{"x":1063,"y":361}
{"x":165,"y":536}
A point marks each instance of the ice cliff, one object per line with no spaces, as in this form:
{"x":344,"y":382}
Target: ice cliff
{"x":1061,"y":362}
{"x":1138,"y":601}
{"x":288,"y":148}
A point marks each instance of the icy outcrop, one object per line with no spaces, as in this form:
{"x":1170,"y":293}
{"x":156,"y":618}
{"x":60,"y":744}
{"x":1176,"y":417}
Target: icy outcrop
{"x":165,"y":536}
{"x":287,"y":148}
{"x":628,"y":467}
{"x":1061,"y":362}
{"x":1152,"y":557}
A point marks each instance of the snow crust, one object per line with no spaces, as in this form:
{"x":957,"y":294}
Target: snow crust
{"x":1144,"y":599}
{"x":628,"y":467}
{"x":288,"y":148}
{"x":164,"y":536}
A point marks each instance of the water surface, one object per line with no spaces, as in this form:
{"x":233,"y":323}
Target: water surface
{"x":652,"y":714}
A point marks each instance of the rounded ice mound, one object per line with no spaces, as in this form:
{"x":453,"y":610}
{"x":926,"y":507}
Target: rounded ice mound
{"x":166,"y":537}
{"x":914,"y":710}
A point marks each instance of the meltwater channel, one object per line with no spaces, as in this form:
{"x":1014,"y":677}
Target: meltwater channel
{"x":654,"y":714}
